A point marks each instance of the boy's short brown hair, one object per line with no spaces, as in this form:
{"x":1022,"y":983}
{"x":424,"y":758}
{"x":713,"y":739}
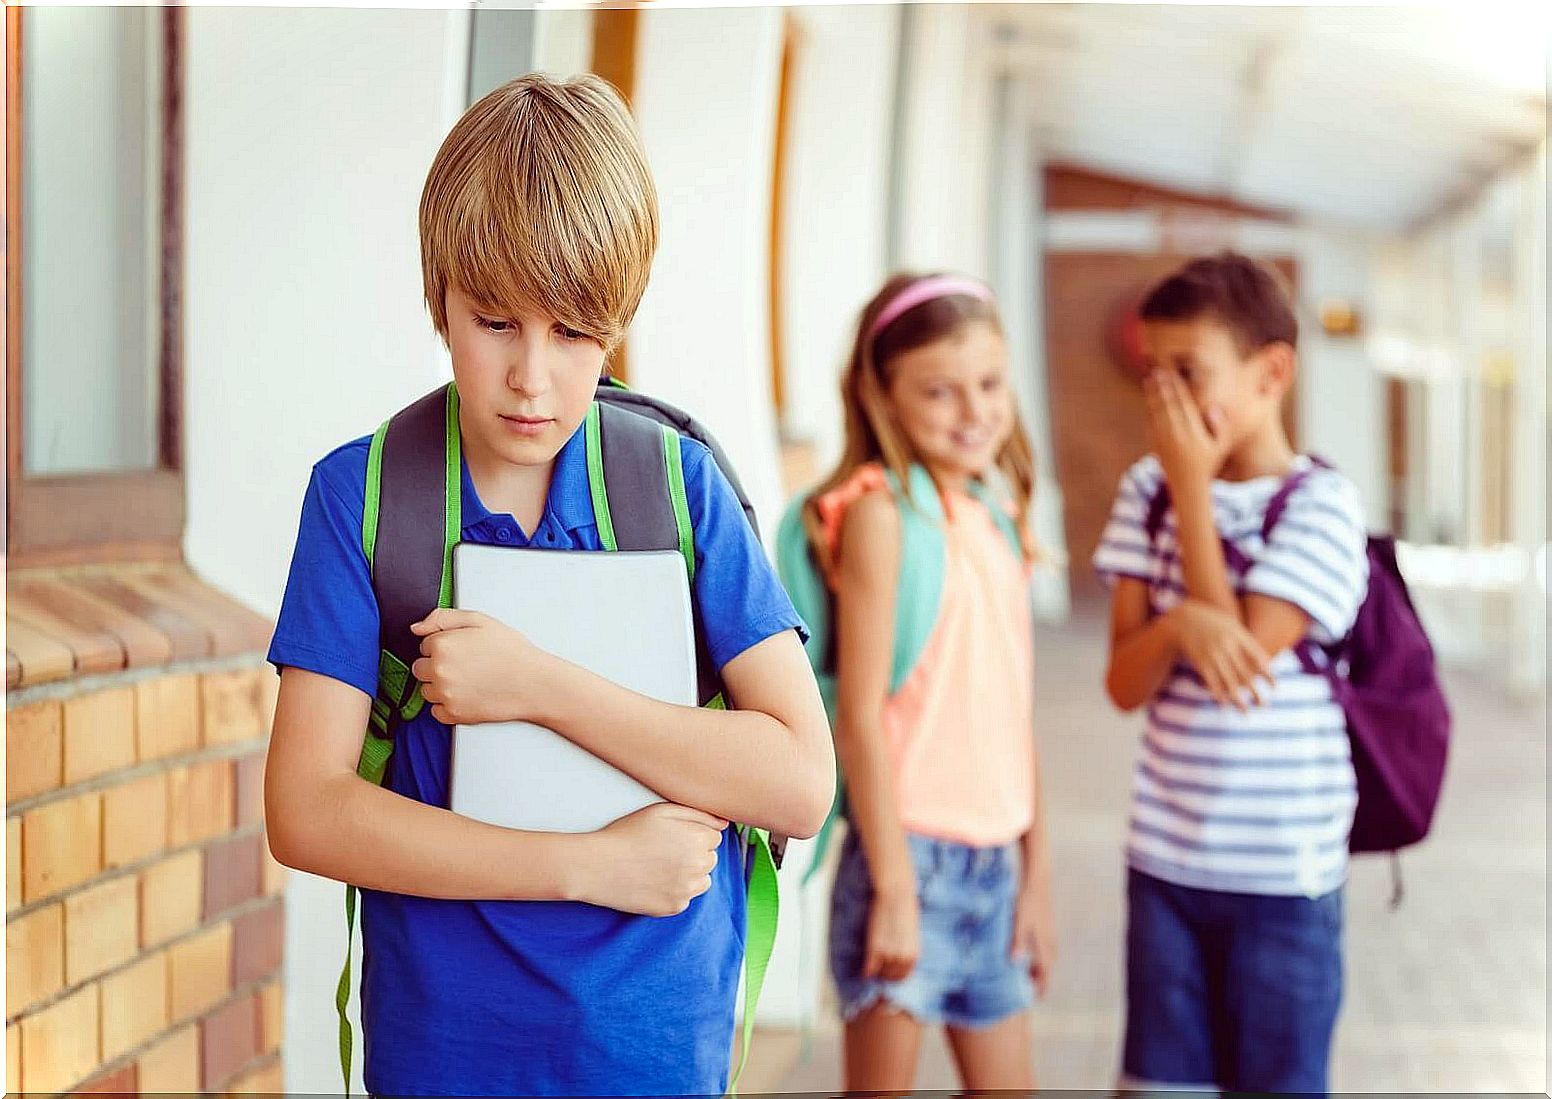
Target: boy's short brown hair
{"x":1248,"y":297}
{"x":540,"y":199}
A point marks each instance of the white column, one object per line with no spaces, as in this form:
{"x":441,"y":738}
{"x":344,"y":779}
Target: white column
{"x":1341,"y":397}
{"x":1016,"y":246}
{"x":705,"y":99}
{"x":1528,"y":653}
{"x":835,"y":203}
{"x":563,"y":40}
{"x":944,"y":157}
{"x":1466,"y":299}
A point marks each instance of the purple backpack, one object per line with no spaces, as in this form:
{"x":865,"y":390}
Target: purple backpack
{"x":1384,"y":676}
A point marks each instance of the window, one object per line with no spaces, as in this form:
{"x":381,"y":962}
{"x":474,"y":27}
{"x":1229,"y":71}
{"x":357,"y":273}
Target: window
{"x":93,"y":284}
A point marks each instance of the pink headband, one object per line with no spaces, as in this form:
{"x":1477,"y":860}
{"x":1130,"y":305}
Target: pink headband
{"x":924,"y":290}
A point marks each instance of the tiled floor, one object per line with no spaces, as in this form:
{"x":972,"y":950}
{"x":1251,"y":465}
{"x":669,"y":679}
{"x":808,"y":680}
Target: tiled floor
{"x":1448,"y":993}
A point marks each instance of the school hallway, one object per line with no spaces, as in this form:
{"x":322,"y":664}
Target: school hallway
{"x":1446,"y":994}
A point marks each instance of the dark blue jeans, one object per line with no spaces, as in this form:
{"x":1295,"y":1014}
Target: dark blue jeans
{"x":1230,"y":990}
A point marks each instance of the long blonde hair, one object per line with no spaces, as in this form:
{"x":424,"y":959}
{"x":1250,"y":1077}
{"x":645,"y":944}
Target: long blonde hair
{"x":871,"y":432}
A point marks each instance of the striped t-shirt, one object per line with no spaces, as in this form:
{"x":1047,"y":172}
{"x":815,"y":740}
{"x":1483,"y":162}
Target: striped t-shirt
{"x":1260,"y":802}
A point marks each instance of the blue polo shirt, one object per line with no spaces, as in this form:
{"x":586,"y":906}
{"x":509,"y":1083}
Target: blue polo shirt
{"x":532,"y":997}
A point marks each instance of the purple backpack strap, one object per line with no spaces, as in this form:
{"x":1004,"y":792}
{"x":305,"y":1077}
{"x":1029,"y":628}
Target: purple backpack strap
{"x":1156,"y":510}
{"x":1275,"y":507}
{"x":1279,"y":501}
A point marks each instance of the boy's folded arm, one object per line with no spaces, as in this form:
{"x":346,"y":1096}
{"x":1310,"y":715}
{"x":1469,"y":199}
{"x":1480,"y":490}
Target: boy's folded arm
{"x":323,"y":818}
{"x":769,"y":763}
{"x":1275,"y":623}
{"x":1143,"y":647}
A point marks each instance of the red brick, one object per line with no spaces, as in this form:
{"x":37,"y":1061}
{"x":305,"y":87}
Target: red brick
{"x":171,"y":897}
{"x":13,"y":1058}
{"x":134,"y":821}
{"x":199,"y":802}
{"x":267,"y":1079}
{"x":258,"y":943}
{"x":232,"y":870}
{"x":199,"y":972}
{"x":61,"y":845}
{"x":250,"y":789}
{"x":13,"y":864}
{"x":166,"y":716}
{"x":172,"y":1066}
{"x":99,"y":733}
{"x":134,"y":1005}
{"x":59,"y":1043}
{"x":121,"y":1081}
{"x":229,"y":1039}
{"x":35,"y":958}
{"x":231,"y":706}
{"x":102,"y":928}
{"x":34,"y":750}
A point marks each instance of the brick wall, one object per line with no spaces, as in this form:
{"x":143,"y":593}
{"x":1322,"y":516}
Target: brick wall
{"x":144,"y":919}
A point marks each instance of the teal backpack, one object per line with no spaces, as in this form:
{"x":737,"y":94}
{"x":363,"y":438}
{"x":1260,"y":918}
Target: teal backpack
{"x":410,"y":524}
{"x":918,"y":593}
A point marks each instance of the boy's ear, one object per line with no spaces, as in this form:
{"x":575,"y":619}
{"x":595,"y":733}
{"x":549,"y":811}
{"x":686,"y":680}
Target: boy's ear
{"x":1278,"y":364}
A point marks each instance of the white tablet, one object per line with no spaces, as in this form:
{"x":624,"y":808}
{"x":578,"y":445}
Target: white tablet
{"x":624,"y":616}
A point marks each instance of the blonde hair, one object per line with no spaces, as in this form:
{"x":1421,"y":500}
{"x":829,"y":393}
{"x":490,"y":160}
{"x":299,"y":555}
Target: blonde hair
{"x":871,"y":432}
{"x":540,"y":199}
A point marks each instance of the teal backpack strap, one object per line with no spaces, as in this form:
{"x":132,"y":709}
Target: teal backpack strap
{"x":411,"y":519}
{"x":919,"y":588}
{"x":999,"y":513}
{"x":631,"y":460}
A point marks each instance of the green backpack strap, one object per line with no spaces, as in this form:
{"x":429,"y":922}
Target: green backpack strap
{"x":762,"y":908}
{"x":415,"y":466}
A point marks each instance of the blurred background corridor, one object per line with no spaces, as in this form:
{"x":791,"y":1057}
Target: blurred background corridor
{"x":213,"y":279}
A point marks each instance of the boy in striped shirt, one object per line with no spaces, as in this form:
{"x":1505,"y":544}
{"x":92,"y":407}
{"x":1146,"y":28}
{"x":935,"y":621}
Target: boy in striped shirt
{"x":1243,"y":796}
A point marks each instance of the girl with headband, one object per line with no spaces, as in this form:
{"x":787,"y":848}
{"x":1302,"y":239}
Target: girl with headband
{"x":913,"y":559}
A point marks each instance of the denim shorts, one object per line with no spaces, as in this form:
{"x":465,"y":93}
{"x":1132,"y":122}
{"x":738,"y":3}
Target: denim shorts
{"x":1238,"y":991}
{"x":965,"y":975}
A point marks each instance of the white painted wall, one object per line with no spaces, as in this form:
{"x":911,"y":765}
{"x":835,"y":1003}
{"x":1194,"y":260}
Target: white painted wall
{"x":309,"y":133}
{"x":705,"y":100}
{"x":835,"y":204}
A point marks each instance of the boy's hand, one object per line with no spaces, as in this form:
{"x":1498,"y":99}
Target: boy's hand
{"x":1034,"y":932}
{"x":894,"y":937}
{"x":1224,"y":653}
{"x":473,"y":669}
{"x":1191,"y":446}
{"x":653,"y":862}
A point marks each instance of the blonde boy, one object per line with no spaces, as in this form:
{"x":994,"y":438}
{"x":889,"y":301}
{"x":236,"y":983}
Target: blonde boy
{"x":508,"y":962}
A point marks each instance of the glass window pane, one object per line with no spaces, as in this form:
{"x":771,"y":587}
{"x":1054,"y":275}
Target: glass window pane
{"x":91,"y":164}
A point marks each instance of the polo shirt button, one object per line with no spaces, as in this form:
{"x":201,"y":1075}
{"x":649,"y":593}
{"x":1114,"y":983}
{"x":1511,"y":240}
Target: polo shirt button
{"x":504,"y":535}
